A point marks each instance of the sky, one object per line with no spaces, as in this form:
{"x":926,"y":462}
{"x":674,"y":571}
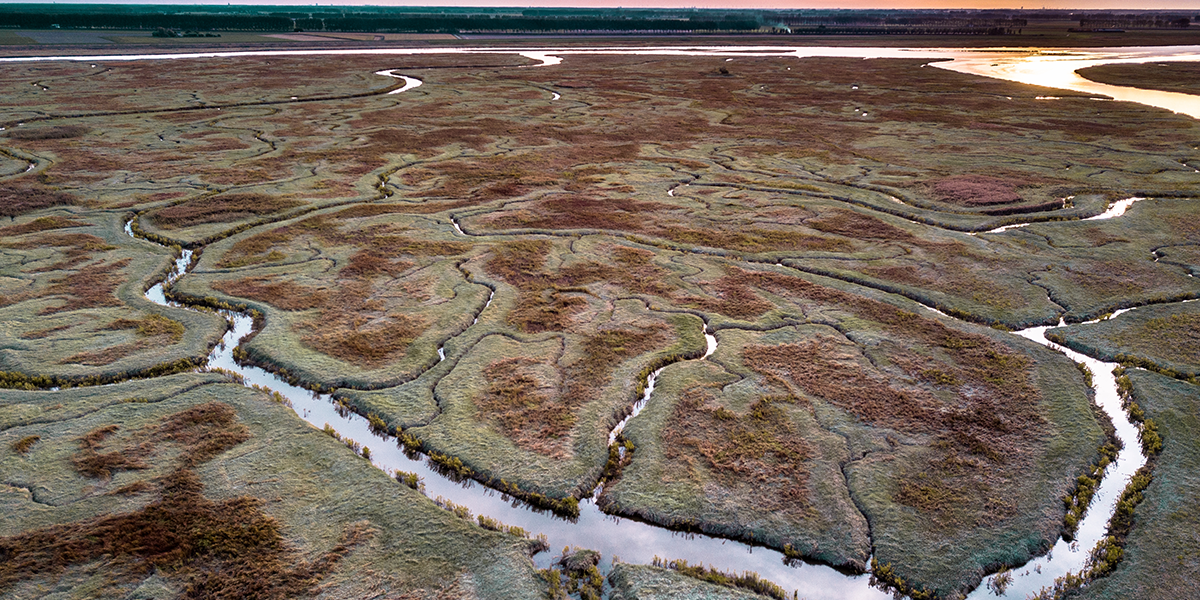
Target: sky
{"x":1186,"y":6}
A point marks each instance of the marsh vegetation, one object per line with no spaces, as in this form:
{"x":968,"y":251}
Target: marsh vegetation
{"x":489,"y":267}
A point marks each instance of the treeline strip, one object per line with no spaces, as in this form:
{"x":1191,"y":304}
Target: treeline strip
{"x":102,"y":20}
{"x":370,"y":23}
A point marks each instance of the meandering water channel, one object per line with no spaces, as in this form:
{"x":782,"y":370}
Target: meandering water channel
{"x":637,"y":542}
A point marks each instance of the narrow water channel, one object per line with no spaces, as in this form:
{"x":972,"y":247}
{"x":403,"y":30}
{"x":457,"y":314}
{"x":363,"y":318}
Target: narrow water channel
{"x":637,"y":542}
{"x":633,"y":541}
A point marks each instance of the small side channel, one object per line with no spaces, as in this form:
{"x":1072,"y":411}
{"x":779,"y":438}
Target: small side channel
{"x":632,"y":541}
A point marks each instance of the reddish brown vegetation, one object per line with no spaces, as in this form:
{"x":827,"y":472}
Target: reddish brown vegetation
{"x":156,"y":330}
{"x":975,"y":190}
{"x":43,"y":333}
{"x":539,"y":418}
{"x":105,"y":356}
{"x":523,"y":409}
{"x":367,"y":343}
{"x":753,"y":239}
{"x":205,"y":430}
{"x":42,"y":224}
{"x":654,"y":218}
{"x":380,"y":240}
{"x":20,"y":199}
{"x":283,"y":294}
{"x":405,"y":208}
{"x":732,"y":296}
{"x":92,"y":463}
{"x":225,"y":208}
{"x":823,"y":368}
{"x":366,"y":264}
{"x":858,"y":225}
{"x":548,"y":300}
{"x":25,"y":444}
{"x":985,"y":436}
{"x":352,"y":325}
{"x":54,"y":132}
{"x":761,"y":449}
{"x":214,"y":550}
{"x":572,"y":211}
{"x":76,"y":244}
{"x":92,"y":286}
{"x":152,"y":325}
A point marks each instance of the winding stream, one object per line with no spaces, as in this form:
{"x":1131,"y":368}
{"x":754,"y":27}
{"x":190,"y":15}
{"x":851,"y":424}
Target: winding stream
{"x":637,"y":542}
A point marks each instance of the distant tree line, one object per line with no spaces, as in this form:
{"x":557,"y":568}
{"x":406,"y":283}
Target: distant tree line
{"x":449,"y":23}
{"x":917,"y":20}
{"x":1136,"y":21}
{"x":884,"y":24}
{"x":900,"y":30}
{"x":107,"y":20}
{"x":478,"y":23}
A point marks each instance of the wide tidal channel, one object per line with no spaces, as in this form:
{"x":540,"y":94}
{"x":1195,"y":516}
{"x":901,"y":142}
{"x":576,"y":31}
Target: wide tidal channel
{"x":636,"y":542}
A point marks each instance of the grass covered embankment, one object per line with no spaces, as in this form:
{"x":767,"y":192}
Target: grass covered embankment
{"x":1164,"y":338}
{"x":1161,"y":554}
{"x":1181,"y":77}
{"x":645,"y":582}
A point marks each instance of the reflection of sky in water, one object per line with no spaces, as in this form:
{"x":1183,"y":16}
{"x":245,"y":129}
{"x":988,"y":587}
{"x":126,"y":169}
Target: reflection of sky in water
{"x":636,"y":542}
{"x":1051,"y":68}
{"x":1057,"y":69}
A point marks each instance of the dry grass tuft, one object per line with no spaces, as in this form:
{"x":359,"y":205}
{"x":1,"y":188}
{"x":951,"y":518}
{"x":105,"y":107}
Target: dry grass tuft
{"x":92,"y":463}
{"x":152,"y":325}
{"x":25,"y":444}
{"x":104,"y":356}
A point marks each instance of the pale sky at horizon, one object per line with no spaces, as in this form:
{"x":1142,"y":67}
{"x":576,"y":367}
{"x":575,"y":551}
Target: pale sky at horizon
{"x":1173,"y":5}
